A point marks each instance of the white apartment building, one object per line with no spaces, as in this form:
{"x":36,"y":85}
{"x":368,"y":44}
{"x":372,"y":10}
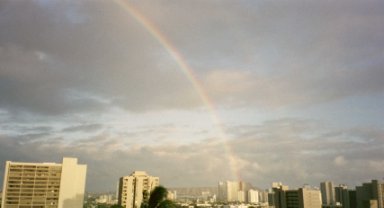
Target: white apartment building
{"x":253,"y":196}
{"x":233,"y":191}
{"x":131,"y":188}
{"x":44,"y":185}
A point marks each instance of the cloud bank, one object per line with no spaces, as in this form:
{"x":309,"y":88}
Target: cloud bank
{"x":296,"y":83}
{"x":290,"y":150}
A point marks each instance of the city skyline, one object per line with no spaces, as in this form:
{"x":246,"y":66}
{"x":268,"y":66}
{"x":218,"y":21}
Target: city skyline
{"x":195,"y":92}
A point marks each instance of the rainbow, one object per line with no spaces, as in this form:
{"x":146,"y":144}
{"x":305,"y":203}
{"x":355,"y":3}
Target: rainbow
{"x":189,"y":73}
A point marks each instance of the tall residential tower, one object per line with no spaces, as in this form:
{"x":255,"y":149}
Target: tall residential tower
{"x":233,"y":191}
{"x":46,"y":185}
{"x":327,"y":193}
{"x":132,"y":188}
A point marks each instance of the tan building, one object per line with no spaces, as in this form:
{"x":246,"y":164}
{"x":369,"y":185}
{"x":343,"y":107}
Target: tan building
{"x":44,"y":185}
{"x":132,"y":187}
{"x":301,"y":198}
{"x":311,"y":198}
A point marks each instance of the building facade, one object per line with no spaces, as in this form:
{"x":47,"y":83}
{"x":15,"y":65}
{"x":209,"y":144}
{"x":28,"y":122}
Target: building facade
{"x":133,"y":187}
{"x":301,"y":198}
{"x":253,"y":196}
{"x":327,"y":193}
{"x":44,"y":185}
{"x":368,"y":193}
{"x":342,"y":196}
{"x":310,"y":198}
{"x":278,"y":198}
{"x":233,"y":191}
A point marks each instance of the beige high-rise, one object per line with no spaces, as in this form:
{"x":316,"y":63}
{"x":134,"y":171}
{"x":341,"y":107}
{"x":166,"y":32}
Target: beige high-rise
{"x":44,"y":185}
{"x":302,"y":198}
{"x":131,"y":188}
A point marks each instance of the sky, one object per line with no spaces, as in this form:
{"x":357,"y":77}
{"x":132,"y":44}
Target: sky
{"x":195,"y":92}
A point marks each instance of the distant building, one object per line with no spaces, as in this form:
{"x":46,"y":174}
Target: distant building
{"x":263,"y":196}
{"x":352,"y":199}
{"x":193,"y":194}
{"x":311,"y":198}
{"x":301,"y":198}
{"x":342,"y":196}
{"x":106,"y":199}
{"x":327,"y":193}
{"x":172,"y":195}
{"x":370,"y":192}
{"x":370,"y":204}
{"x":292,"y":199}
{"x":47,"y":185}
{"x":132,"y":187}
{"x":278,"y":197}
{"x":253,"y":196}
{"x":233,"y":191}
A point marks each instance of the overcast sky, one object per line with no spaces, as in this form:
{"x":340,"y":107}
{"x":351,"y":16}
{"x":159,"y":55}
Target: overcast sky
{"x":297,"y":87}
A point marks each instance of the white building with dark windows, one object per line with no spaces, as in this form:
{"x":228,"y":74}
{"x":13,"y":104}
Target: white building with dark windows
{"x":132,"y":187}
{"x":45,"y":185}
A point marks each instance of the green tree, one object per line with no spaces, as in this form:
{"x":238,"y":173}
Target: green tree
{"x":144,"y":204}
{"x":158,"y":199}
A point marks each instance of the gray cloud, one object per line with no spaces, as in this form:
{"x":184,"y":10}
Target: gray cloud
{"x":65,"y":66}
{"x":276,"y":150}
{"x":67,"y":57}
{"x":84,"y":128}
{"x":51,"y":65}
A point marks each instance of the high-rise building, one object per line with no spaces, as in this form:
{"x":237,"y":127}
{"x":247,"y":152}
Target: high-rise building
{"x":44,"y":185}
{"x":368,"y":193}
{"x":310,"y":198}
{"x":327,"y":193}
{"x":263,"y":196}
{"x":342,"y":196}
{"x":278,"y":197}
{"x":292,"y":199}
{"x":233,"y":191}
{"x":253,"y":196}
{"x":133,"y":187}
{"x":301,"y":198}
{"x":352,"y":199}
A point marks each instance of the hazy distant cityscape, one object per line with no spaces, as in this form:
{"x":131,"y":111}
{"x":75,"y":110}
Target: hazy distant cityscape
{"x":52,"y":185}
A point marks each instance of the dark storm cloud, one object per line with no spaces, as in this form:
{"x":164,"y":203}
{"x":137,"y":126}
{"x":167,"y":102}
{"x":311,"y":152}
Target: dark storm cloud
{"x":74,"y":62}
{"x":287,"y":53}
{"x":51,"y":64}
{"x":66,"y":57}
